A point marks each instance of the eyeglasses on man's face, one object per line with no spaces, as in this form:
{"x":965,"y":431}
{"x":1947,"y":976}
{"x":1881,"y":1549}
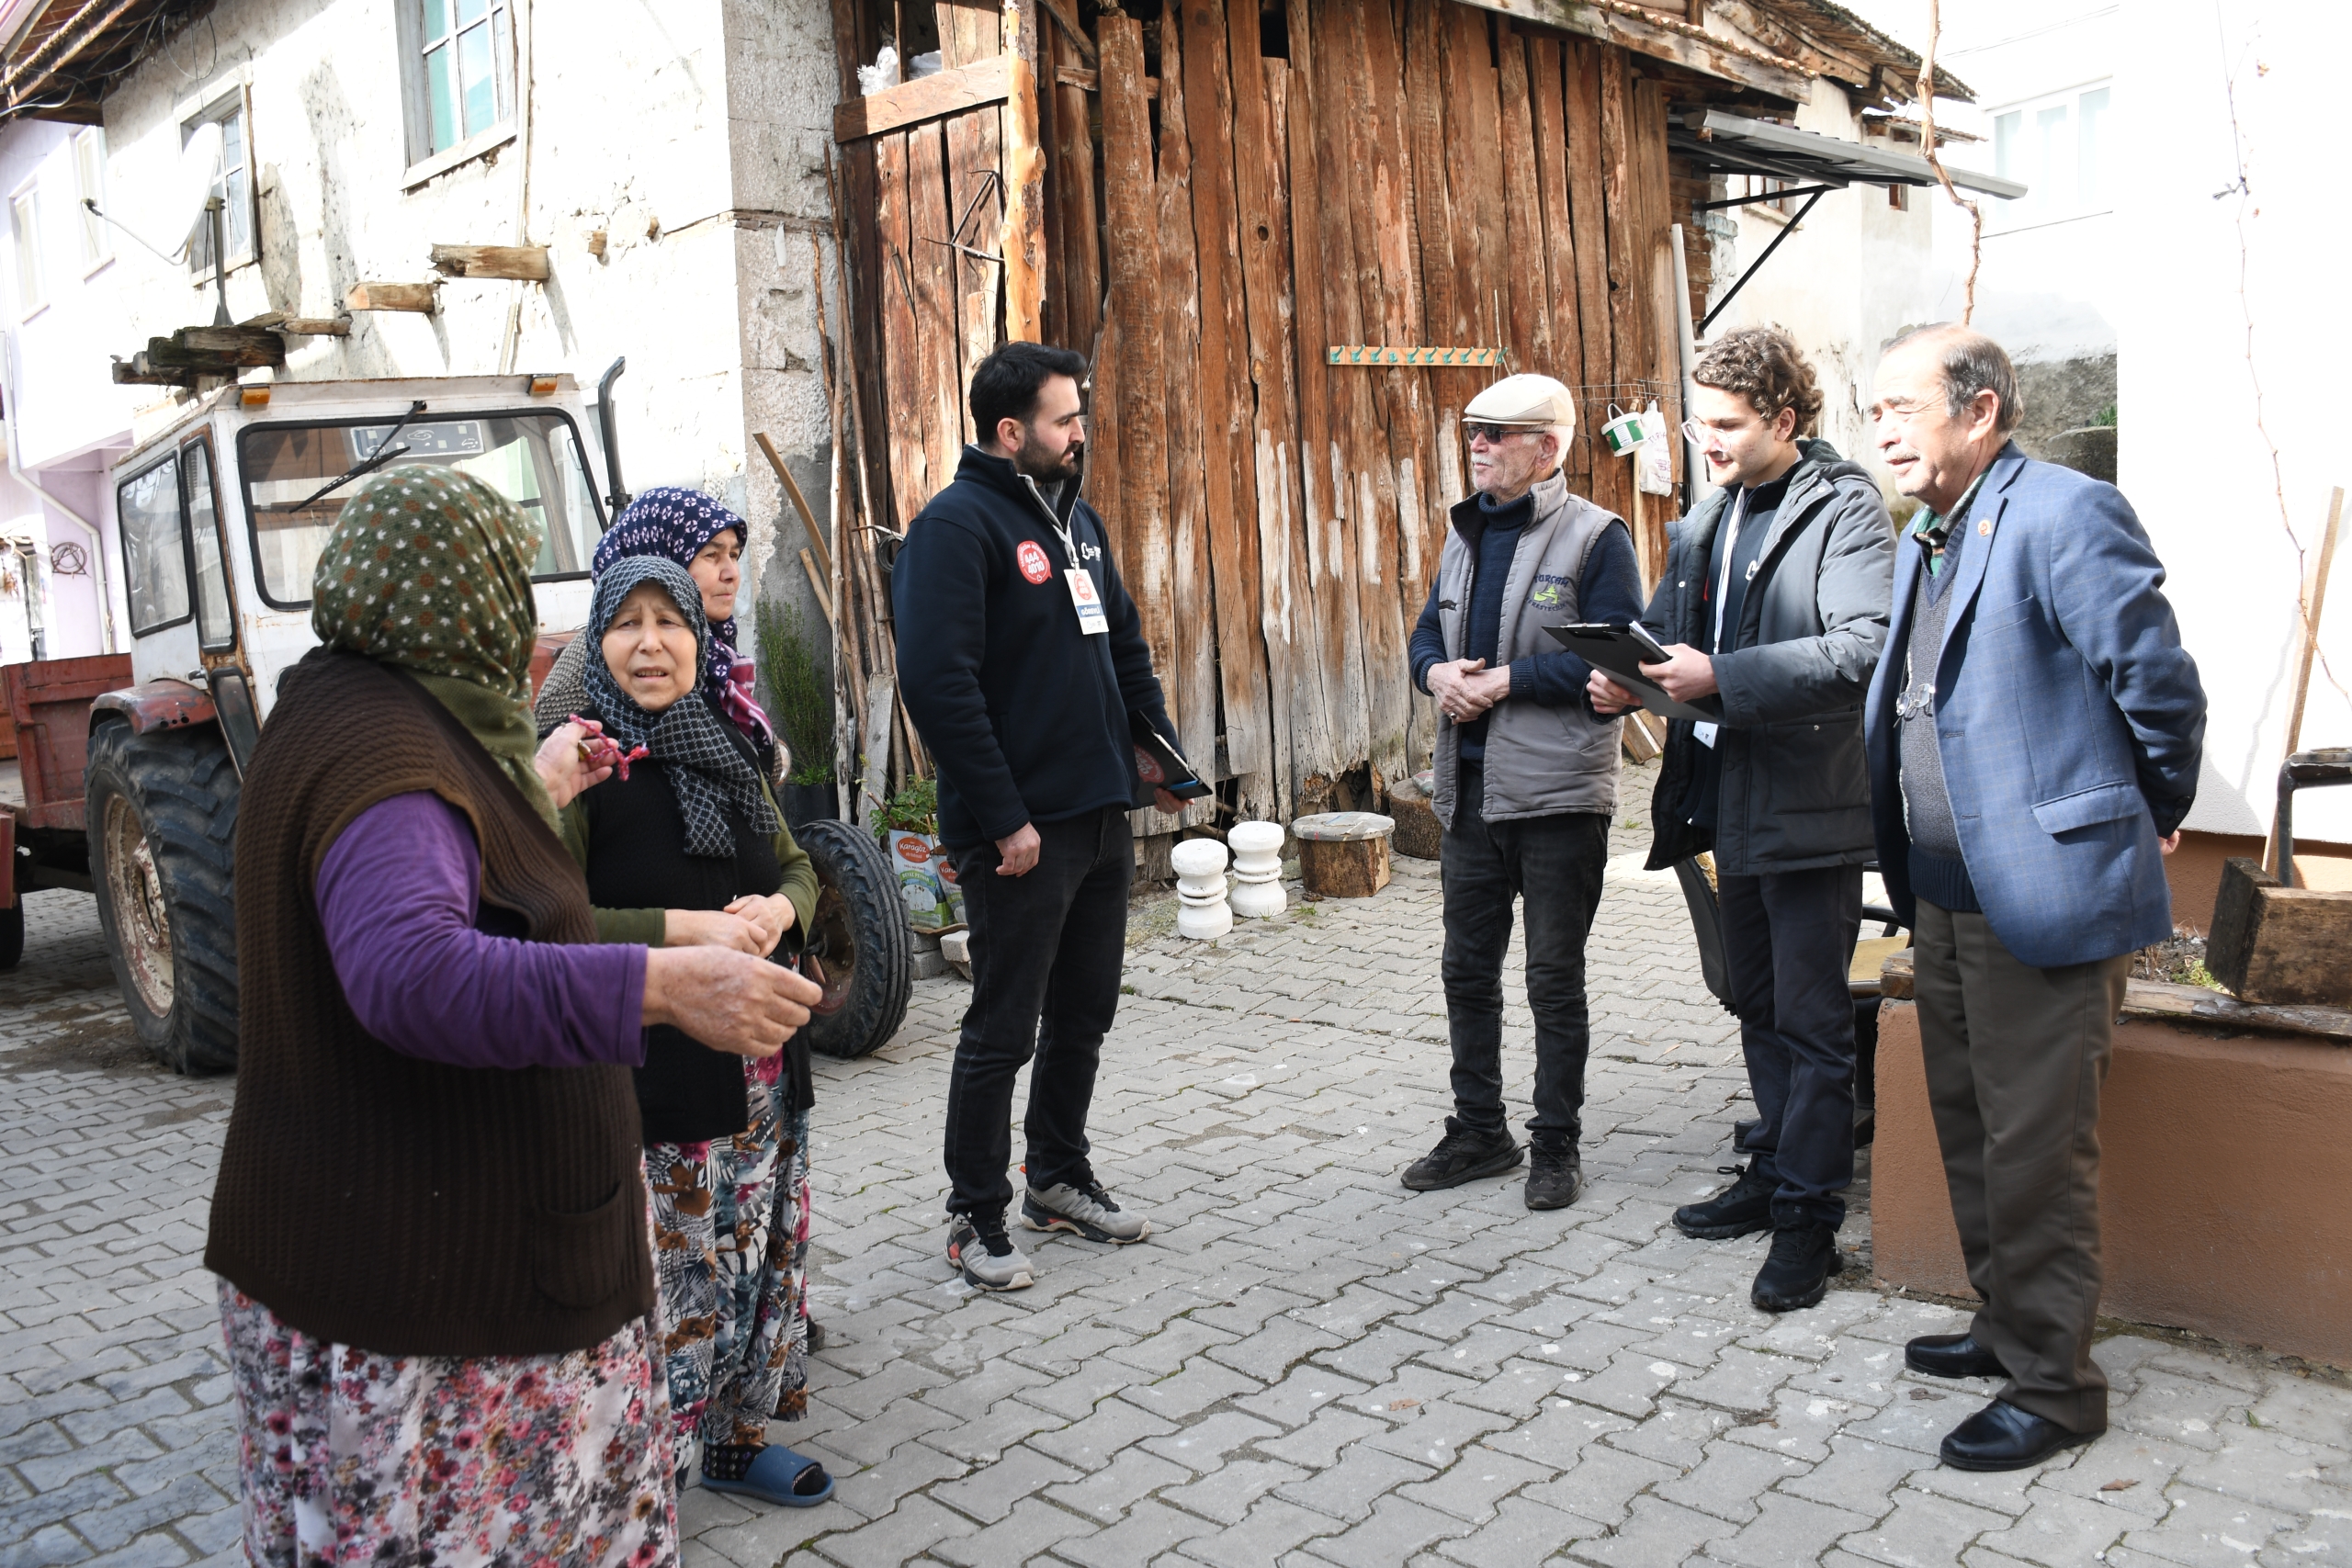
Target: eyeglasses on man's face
{"x":1493,"y":433}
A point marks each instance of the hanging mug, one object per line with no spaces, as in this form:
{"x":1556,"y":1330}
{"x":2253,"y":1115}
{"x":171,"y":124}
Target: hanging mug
{"x":1624,"y":431}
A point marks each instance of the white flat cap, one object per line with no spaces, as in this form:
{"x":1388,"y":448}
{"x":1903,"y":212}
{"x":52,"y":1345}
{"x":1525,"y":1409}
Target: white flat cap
{"x":1532,"y":401}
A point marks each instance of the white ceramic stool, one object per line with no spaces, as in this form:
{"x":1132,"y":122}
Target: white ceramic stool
{"x":1200,"y":883}
{"x":1257,"y":869}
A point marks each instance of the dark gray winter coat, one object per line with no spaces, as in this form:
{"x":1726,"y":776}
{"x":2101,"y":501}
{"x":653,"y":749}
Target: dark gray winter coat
{"x":1795,"y":782}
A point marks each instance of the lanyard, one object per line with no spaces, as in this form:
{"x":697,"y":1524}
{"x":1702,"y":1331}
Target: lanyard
{"x":1731,"y":548}
{"x":1061,"y":529}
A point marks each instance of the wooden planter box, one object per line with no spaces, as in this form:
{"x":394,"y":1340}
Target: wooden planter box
{"x":2225,"y":1161}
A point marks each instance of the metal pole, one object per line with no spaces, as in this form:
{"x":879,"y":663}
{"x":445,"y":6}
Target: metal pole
{"x":1759,"y":266}
{"x":212,"y":208}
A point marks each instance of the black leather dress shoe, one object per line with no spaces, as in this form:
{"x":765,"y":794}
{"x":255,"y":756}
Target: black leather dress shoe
{"x":2001,"y":1436}
{"x":1952,"y":1356}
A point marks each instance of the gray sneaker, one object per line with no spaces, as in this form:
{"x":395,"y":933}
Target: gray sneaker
{"x":987,"y":1259}
{"x":1085,"y":1211}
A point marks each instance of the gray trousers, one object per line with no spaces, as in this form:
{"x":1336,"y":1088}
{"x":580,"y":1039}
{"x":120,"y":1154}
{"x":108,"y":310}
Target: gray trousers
{"x":2015,"y":1057}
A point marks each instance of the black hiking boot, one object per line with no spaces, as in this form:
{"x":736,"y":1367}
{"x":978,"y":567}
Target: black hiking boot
{"x":1555,"y":1177}
{"x":1462,"y":1155}
{"x":1743,"y":1207}
{"x":1797,"y":1273}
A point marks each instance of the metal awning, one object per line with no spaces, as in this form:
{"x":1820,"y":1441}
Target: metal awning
{"x":1734,"y":144}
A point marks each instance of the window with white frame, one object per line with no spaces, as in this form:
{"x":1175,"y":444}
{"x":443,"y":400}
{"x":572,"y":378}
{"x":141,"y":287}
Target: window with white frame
{"x":2058,"y":145}
{"x":24,"y":231}
{"x":233,"y":183}
{"x":460,"y":70}
{"x":89,"y":186}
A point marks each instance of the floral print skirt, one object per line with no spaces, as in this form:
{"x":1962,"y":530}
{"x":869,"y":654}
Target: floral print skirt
{"x":349,"y":1456}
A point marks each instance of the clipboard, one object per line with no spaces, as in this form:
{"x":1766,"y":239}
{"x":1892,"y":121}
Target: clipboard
{"x":1622,"y":649}
{"x":1158,"y":765}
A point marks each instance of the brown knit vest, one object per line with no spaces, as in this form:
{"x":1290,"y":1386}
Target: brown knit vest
{"x":370,"y":1198}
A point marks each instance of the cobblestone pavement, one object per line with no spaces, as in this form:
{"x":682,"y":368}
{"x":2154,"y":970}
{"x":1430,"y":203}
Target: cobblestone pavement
{"x":1305,"y":1364}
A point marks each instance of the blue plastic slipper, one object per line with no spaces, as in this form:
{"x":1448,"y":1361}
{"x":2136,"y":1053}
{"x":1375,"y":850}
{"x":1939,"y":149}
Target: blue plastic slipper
{"x":779,"y":1476}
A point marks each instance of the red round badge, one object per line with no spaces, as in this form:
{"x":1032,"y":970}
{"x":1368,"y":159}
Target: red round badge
{"x":1033,"y":564}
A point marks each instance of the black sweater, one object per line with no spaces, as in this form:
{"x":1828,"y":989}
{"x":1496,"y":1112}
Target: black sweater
{"x":1025,"y":716}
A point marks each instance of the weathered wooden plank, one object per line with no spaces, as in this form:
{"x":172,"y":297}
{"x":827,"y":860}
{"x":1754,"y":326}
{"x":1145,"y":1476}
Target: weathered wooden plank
{"x":1474,"y":173}
{"x":1022,"y":240}
{"x":931,"y":263}
{"x":1431,"y":147}
{"x":1388,"y":519}
{"x":1190,"y":685}
{"x":969,"y":31}
{"x":1362,"y":476}
{"x":1227,"y":409}
{"x":1071,"y":169}
{"x":1582,"y":63}
{"x":422,"y":297}
{"x":904,"y":406}
{"x":1338,"y":626}
{"x":1528,"y":290}
{"x":868,"y":288}
{"x":926,"y":97}
{"x":1285,"y":563}
{"x":1662,"y":36}
{"x":1559,"y":234}
{"x":1628,"y":278}
{"x":525,"y":263}
{"x":1131,"y":214}
{"x":973,"y":149}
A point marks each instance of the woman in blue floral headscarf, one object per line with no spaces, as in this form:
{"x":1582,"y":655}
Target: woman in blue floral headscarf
{"x":708,"y":540}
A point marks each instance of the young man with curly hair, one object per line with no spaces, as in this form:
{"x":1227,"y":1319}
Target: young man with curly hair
{"x":1774,"y":605}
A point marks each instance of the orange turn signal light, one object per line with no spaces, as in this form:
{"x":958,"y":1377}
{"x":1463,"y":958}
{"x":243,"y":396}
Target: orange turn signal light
{"x":254,"y":397}
{"x":542,"y":385}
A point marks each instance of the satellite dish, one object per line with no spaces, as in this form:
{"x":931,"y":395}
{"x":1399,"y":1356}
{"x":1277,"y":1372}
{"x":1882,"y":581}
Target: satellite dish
{"x":192,"y":186}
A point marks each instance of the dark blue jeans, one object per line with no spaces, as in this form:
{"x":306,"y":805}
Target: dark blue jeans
{"x":1788,"y":941}
{"x":1047,"y":950}
{"x":1554,"y":866}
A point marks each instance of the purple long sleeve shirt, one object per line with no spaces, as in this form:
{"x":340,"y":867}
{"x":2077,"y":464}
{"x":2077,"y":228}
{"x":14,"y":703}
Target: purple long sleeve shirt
{"x":426,"y":971}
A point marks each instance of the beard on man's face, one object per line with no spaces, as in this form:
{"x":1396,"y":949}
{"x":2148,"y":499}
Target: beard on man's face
{"x":1041,"y":462}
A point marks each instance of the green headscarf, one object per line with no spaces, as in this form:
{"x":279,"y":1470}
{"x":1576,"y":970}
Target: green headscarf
{"x":430,"y":568}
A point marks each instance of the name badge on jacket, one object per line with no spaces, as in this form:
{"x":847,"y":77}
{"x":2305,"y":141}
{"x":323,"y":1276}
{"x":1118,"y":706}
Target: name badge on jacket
{"x":1088,"y":601}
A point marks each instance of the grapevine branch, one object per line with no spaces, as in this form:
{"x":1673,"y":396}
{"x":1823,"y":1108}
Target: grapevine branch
{"x":1927,"y":147}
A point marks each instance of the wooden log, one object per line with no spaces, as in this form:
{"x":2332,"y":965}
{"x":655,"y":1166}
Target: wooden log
{"x":1628,"y":280}
{"x":1191,"y":684}
{"x":938,"y":330}
{"x":1329,"y":561}
{"x":1343,"y":854}
{"x":1529,"y":290}
{"x":1225,"y":408}
{"x":2272,"y":944}
{"x":1418,"y":833}
{"x":926,"y":97}
{"x":1021,"y":243}
{"x":315,"y":326}
{"x":523,"y":264}
{"x":1358,"y":588}
{"x":241,"y":347}
{"x":421,"y":298}
{"x":1545,"y":87}
{"x":1131,"y":213}
{"x":901,"y":420}
{"x":973,"y":188}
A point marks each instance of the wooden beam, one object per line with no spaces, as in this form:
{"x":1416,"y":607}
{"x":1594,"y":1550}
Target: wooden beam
{"x":420,"y":297}
{"x":1092,"y":81}
{"x":524,"y":263}
{"x":315,"y":326}
{"x":799,"y":502}
{"x":246,"y":347}
{"x":1663,"y":36}
{"x":1022,"y":241}
{"x":986,"y":81}
{"x":1065,"y":18}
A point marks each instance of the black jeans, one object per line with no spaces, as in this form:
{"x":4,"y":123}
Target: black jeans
{"x":1047,"y":948}
{"x":1788,"y":941}
{"x":1554,"y":864}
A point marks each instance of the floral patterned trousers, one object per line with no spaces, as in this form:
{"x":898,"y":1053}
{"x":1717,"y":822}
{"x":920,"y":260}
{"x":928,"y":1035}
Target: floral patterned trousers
{"x":351,"y":1457}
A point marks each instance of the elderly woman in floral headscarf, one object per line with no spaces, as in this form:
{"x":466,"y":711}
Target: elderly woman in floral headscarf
{"x":686,"y":527}
{"x":693,"y":826}
{"x":430,"y":1226}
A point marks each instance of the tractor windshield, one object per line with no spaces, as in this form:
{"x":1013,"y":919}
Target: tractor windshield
{"x":533,"y":458}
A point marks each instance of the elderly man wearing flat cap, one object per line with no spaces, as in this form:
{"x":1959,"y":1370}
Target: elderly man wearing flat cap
{"x":1526,"y":774}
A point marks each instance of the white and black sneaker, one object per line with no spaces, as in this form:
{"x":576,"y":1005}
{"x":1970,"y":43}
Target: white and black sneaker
{"x":1084,"y":1211}
{"x":986,"y":1257}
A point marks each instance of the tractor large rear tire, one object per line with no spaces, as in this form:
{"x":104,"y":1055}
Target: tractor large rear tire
{"x":860,"y":936}
{"x":162,"y":823}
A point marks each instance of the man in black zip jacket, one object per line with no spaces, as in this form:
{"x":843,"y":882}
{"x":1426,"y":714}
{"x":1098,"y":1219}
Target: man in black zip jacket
{"x":1774,"y":603}
{"x":1020,"y":659}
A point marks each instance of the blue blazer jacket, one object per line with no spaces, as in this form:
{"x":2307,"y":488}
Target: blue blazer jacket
{"x":2069,"y":717}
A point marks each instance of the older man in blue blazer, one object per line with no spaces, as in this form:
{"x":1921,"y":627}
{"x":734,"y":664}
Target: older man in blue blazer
{"x":2033,"y":735}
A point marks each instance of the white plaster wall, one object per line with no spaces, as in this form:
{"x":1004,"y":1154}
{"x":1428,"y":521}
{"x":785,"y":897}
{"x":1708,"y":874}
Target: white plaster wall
{"x":2193,"y":460}
{"x":1844,"y":285}
{"x":670,"y":127}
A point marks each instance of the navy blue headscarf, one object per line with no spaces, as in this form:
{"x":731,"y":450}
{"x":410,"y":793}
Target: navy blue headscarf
{"x":676,"y":523}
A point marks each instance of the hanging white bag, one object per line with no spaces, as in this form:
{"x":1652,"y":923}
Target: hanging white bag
{"x":1654,"y":463}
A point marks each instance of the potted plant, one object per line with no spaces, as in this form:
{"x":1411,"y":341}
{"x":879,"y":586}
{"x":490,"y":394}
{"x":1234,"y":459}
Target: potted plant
{"x":800,"y":705}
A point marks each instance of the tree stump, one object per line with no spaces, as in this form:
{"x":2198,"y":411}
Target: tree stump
{"x":1343,"y":854}
{"x":1419,"y":833}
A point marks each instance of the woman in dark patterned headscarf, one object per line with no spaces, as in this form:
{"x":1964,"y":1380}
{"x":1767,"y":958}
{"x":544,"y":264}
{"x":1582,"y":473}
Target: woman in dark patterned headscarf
{"x":698,"y":534}
{"x":692,"y":829}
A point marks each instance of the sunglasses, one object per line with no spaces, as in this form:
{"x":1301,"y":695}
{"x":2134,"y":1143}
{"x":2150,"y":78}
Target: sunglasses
{"x":1495,"y":433}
